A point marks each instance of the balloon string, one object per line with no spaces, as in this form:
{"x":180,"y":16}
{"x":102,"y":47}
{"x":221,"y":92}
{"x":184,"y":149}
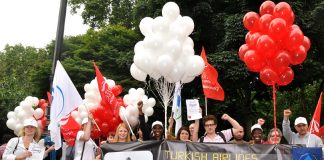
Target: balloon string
{"x":274,"y":106}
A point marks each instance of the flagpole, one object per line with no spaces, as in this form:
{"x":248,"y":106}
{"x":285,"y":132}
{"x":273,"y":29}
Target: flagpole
{"x":130,"y":128}
{"x":206,"y":105}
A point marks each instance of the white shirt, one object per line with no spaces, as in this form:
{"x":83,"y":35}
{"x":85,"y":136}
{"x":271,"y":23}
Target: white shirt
{"x":89,"y":148}
{"x":218,"y":139}
{"x":10,"y":152}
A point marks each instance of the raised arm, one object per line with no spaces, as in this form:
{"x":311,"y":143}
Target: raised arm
{"x":144,"y":128}
{"x":87,"y":131}
{"x":232,"y":121}
{"x":195,"y":132}
{"x":286,"y":130}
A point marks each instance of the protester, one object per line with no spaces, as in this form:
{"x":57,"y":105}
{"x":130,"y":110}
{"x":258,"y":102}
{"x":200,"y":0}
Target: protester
{"x":85,"y":147}
{"x":4,"y":141}
{"x":157,"y":126}
{"x":25,"y":146}
{"x":183,"y":134}
{"x":238,"y":137}
{"x":210,"y":124}
{"x":122,"y":133}
{"x":48,"y":145}
{"x":191,"y":129}
{"x":257,"y":133}
{"x":274,"y":136}
{"x":302,"y":136}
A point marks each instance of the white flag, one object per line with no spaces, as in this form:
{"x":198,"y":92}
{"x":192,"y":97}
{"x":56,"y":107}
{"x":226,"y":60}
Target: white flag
{"x":65,"y":99}
{"x":176,"y":107}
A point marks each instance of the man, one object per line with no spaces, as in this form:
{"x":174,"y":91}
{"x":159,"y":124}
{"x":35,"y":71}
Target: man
{"x":302,"y":136}
{"x":210,"y":125}
{"x":238,"y":137}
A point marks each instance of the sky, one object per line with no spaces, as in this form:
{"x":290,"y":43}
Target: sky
{"x":34,"y":22}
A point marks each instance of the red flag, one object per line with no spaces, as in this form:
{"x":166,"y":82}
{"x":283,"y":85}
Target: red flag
{"x":315,"y":122}
{"x":321,"y":130}
{"x":212,"y":88}
{"x":69,"y":129}
{"x":107,"y":95}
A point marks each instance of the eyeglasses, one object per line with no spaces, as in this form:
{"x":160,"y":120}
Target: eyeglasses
{"x":209,"y":125}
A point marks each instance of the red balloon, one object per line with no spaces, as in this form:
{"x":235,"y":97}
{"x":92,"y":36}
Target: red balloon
{"x":282,"y":59}
{"x":264,"y":43}
{"x":242,"y":51}
{"x":278,"y":28}
{"x":286,"y":76}
{"x":291,"y":20}
{"x":253,"y":61}
{"x":267,"y":7}
{"x":283,"y":10}
{"x":298,"y":56}
{"x":41,"y":102}
{"x":268,"y":76}
{"x":248,"y":37}
{"x":117,"y":89}
{"x":306,"y":43}
{"x":264,"y":23}
{"x":252,"y":42}
{"x":104,"y":128}
{"x":295,"y":38}
{"x":95,"y":133}
{"x":251,"y":21}
{"x":270,"y":54}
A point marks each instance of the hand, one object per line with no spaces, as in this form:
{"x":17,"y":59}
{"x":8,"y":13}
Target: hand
{"x":171,"y":120}
{"x":287,"y":112}
{"x":24,"y":155}
{"x":261,"y":121}
{"x":225,"y":117}
{"x":51,"y":148}
{"x":134,"y":137}
{"x":90,"y":116}
{"x":140,"y":107}
{"x":200,"y":110}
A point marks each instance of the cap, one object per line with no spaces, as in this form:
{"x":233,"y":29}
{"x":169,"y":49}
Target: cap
{"x":84,"y":121}
{"x":30,"y":122}
{"x":256,"y":126}
{"x":300,"y":120}
{"x":157,"y":123}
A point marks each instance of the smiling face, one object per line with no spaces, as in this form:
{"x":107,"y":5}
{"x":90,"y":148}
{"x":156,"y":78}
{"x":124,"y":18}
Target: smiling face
{"x":257,"y":136}
{"x":122,"y":133}
{"x":275,"y":137}
{"x":157,"y":131}
{"x":29,"y":130}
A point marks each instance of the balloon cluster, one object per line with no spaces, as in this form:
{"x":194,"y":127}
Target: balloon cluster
{"x":29,"y":108}
{"x":131,"y":111}
{"x":106,"y":116}
{"x":273,"y":43}
{"x":167,"y":50}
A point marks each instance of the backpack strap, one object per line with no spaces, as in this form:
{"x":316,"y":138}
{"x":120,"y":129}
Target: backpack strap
{"x":16,"y":146}
{"x":201,"y":139}
{"x":82,"y":150}
{"x":221,"y":134}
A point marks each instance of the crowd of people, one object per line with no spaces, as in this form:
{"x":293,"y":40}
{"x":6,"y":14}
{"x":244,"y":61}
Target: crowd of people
{"x":28,"y":144}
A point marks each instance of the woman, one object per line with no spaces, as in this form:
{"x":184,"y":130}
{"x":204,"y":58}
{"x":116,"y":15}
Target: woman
{"x":85,"y":147}
{"x":183,"y":134}
{"x":122,"y":133}
{"x":25,"y":146}
{"x":274,"y":136}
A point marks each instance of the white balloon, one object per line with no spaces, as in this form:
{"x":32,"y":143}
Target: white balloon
{"x":153,"y":41}
{"x":22,"y":114}
{"x":144,"y":62}
{"x":38,"y":113}
{"x":122,"y":113}
{"x":146,"y":26}
{"x":87,"y":87}
{"x":188,"y":24}
{"x":11,"y":114}
{"x":177,"y":72}
{"x":133,"y":121}
{"x":18,"y":126}
{"x":82,"y":108}
{"x":29,"y":99}
{"x":139,"y":47}
{"x":160,"y":25}
{"x":75,"y":114}
{"x":155,"y":75}
{"x":132,"y":110}
{"x":173,"y":48}
{"x":151,"y":102}
{"x":137,"y":73}
{"x":79,"y":120}
{"x":25,"y":104}
{"x":18,"y":109}
{"x":170,"y":11}
{"x":111,"y":83}
{"x":195,"y":65}
{"x":127,"y":99}
{"x":11,"y":123}
{"x":188,"y":41}
{"x":176,"y":31}
{"x":188,"y":51}
{"x":35,"y":101}
{"x":140,"y":92}
{"x":149,"y":111}
{"x":187,"y":79}
{"x":132,"y":91}
{"x":164,"y":64}
{"x":146,"y":118}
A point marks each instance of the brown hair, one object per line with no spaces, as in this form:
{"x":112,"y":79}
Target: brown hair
{"x":274,"y":129}
{"x":183,"y":128}
{"x":210,"y":117}
{"x":37,"y":134}
{"x":116,"y":138}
